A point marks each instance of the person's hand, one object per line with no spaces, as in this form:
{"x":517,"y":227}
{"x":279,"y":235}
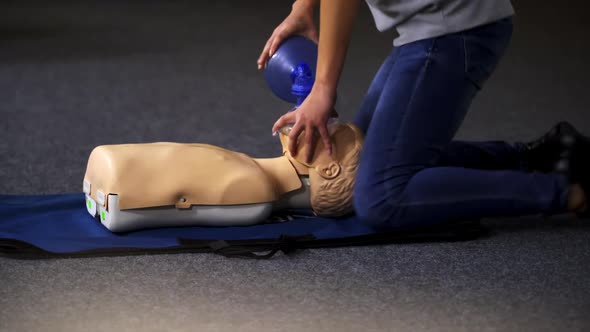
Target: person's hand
{"x":311,"y":115}
{"x":300,"y":21}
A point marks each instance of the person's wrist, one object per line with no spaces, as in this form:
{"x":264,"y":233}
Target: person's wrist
{"x":326,"y":90}
{"x":305,"y":4}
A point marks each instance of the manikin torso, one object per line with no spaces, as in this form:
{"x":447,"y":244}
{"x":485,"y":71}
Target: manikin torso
{"x":174,"y":177}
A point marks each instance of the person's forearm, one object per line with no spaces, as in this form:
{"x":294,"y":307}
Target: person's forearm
{"x":336,"y":22}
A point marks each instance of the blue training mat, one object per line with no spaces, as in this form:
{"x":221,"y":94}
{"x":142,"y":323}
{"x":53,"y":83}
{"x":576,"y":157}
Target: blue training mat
{"x":60,"y":225}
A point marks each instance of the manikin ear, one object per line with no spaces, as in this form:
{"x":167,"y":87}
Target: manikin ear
{"x":328,"y":171}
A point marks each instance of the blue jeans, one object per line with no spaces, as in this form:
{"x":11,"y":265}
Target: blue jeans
{"x":411,"y":172}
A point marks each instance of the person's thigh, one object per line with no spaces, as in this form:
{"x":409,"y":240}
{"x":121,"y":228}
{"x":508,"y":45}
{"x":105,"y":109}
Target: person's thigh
{"x":491,"y":155}
{"x":365,"y":113}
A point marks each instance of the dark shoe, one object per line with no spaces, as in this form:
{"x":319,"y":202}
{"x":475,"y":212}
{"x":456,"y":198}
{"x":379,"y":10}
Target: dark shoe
{"x":584,"y":215}
{"x":564,"y":150}
{"x":578,"y":160}
{"x":549,"y":153}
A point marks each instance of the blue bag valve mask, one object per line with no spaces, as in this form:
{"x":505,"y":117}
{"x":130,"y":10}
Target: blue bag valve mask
{"x":290,"y":72}
{"x":281,"y":70}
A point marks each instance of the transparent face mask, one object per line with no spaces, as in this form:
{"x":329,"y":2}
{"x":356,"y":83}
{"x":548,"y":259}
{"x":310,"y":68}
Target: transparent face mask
{"x":331,"y":124}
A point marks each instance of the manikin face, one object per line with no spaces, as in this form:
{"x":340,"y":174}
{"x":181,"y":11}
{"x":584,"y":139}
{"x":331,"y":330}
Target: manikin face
{"x":331,"y":176}
{"x":344,"y":139}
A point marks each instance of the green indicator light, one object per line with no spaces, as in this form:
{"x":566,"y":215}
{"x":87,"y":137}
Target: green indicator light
{"x":89,"y":204}
{"x":103,"y":215}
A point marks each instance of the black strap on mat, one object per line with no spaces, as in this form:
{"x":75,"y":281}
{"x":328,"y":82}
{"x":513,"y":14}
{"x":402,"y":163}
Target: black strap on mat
{"x":285,"y":243}
{"x":267,"y":248}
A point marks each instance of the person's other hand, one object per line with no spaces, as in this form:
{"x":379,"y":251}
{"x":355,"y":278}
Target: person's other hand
{"x":300,"y":21}
{"x":311,"y":115}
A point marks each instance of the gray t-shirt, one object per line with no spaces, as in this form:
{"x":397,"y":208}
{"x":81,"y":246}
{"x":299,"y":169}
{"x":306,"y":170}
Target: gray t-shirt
{"x":421,"y":19}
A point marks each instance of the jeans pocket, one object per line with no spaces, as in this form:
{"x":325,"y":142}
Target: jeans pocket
{"x":484,"y":47}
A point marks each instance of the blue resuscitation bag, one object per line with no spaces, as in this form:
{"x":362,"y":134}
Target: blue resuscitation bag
{"x":60,"y":226}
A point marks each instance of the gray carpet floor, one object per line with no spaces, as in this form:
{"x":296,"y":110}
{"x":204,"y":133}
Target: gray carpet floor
{"x":76,"y":74}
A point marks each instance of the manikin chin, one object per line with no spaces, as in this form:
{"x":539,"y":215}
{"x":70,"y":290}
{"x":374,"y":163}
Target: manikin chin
{"x":135,"y":186}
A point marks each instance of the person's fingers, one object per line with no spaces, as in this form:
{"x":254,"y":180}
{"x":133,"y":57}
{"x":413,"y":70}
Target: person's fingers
{"x":326,"y":139}
{"x":279,"y":35}
{"x":283,"y":121}
{"x":293,"y":137}
{"x":264,"y":55}
{"x":309,"y":130}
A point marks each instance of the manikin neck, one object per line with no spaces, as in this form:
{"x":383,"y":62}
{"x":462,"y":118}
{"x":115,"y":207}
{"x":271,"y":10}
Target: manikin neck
{"x":286,"y":177}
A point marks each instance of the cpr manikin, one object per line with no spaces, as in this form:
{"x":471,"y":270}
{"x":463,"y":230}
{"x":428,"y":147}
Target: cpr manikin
{"x":135,"y":186}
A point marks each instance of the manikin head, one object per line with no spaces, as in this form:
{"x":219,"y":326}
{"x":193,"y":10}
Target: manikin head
{"x":332,"y":177}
